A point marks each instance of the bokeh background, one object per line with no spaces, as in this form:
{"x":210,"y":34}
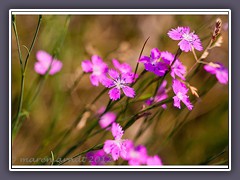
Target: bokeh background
{"x":203,"y":137}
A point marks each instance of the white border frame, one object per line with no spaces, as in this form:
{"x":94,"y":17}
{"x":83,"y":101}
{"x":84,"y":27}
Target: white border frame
{"x":120,"y":12}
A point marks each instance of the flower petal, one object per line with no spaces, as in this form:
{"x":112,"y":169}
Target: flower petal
{"x":187,"y":102}
{"x":144,"y":59}
{"x":210,"y":69}
{"x":94,"y":80}
{"x":185,"y":45}
{"x":116,"y":63}
{"x":39,"y":68}
{"x":155,"y":53}
{"x":197,"y":43}
{"x":222,"y":77}
{"x":128,"y":91}
{"x":44,"y":57}
{"x":107,"y":119}
{"x":96,"y":60}
{"x":176,"y":34}
{"x":176,"y":102}
{"x":117,"y":131}
{"x":113,"y":74}
{"x":115,"y":153}
{"x":55,"y":67}
{"x":114,"y":94}
{"x":155,"y":160}
{"x":87,"y":66}
{"x":107,"y":82}
{"x":108,"y":146}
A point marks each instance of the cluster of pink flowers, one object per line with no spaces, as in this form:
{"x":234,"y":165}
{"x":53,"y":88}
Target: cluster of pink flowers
{"x":161,"y":64}
{"x":119,"y":81}
{"x":122,"y":148}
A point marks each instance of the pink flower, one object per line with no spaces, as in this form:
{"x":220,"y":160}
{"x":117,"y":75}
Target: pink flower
{"x":46,"y":61}
{"x":118,"y":82}
{"x":136,"y":155}
{"x":154,"y":160}
{"x":98,"y":157}
{"x":180,"y":91}
{"x":123,"y":68}
{"x":187,"y":39}
{"x":160,"y":96}
{"x":219,"y":70}
{"x":107,"y":119}
{"x":153,"y":63}
{"x":116,"y":147}
{"x":177,"y":69}
{"x":97,"y":67}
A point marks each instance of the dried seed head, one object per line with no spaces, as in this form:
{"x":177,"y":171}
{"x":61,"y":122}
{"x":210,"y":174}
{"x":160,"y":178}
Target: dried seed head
{"x":193,"y":90}
{"x":217,"y":29}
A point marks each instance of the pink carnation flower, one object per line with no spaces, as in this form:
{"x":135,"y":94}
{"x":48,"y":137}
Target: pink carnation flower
{"x":180,"y":91}
{"x":118,"y":82}
{"x":123,"y":68}
{"x":187,"y":39}
{"x":96,"y":67}
{"x":136,"y":155}
{"x":177,"y":69}
{"x":116,"y":147}
{"x":154,"y":160}
{"x":219,"y":70}
{"x":46,"y":62}
{"x":153,"y":64}
{"x":107,"y":119}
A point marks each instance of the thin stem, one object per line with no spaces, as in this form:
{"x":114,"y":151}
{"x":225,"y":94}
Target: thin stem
{"x":178,"y":53}
{"x":76,"y":82}
{"x":97,"y":147}
{"x":18,"y":44}
{"x":33,"y":42}
{"x":23,"y":69}
{"x":140,"y":57}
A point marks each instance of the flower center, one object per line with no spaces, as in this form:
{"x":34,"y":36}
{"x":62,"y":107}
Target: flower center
{"x":118,"y":142}
{"x":134,"y":154}
{"x":180,"y":95}
{"x":187,"y":37}
{"x":97,"y":70}
{"x":118,"y":83}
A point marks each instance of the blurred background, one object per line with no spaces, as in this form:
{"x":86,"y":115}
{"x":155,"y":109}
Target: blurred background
{"x":203,"y":134}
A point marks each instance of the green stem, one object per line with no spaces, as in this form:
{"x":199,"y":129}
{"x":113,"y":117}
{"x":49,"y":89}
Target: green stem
{"x":97,"y":147}
{"x":33,"y":42}
{"x":18,"y":44}
{"x":23,"y":70}
{"x":140,"y":56}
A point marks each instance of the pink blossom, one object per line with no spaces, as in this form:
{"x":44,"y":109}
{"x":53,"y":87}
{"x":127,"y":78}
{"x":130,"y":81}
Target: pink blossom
{"x":188,"y":40}
{"x":136,"y":155}
{"x":96,"y":67}
{"x":116,"y":147}
{"x":46,"y":62}
{"x":107,"y":119}
{"x":177,"y":69}
{"x":219,"y":70}
{"x":154,"y":160}
{"x":153,"y":63}
{"x":123,"y":68}
{"x":180,"y":91}
{"x":118,"y":82}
